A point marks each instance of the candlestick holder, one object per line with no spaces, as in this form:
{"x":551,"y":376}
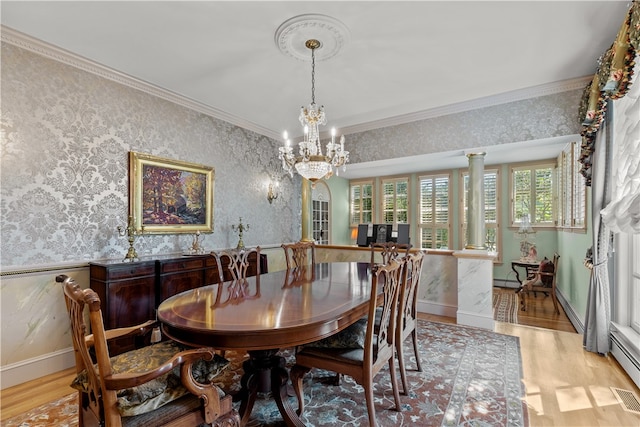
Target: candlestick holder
{"x":196,"y":248}
{"x":240,"y":228}
{"x":131,"y":234}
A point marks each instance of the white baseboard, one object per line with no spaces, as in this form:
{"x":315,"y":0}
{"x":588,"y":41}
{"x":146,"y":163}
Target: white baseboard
{"x":30,"y":369}
{"x":438,"y":309}
{"x":475,"y":320}
{"x":575,"y":320}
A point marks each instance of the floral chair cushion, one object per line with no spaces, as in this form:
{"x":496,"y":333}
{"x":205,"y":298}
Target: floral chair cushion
{"x":160,"y":391}
{"x":351,"y":337}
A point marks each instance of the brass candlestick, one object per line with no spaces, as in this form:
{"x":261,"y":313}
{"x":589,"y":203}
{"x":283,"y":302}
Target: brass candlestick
{"x":131,"y":234}
{"x":240,"y":228}
{"x":196,"y":247}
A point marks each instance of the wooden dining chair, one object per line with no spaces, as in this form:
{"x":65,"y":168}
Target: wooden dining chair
{"x":237,"y":262}
{"x":544,"y":281}
{"x":359,"y":350}
{"x":389,"y":251}
{"x":299,"y":254}
{"x":156,"y":385}
{"x":408,"y":313}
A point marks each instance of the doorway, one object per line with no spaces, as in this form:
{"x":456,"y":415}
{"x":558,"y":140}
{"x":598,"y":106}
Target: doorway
{"x":320,"y":199}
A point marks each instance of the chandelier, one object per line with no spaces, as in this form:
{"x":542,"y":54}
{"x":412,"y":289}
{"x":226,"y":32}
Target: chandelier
{"x":310,"y":163}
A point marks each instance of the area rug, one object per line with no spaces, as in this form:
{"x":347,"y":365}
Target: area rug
{"x":505,"y":307}
{"x":471,"y":377}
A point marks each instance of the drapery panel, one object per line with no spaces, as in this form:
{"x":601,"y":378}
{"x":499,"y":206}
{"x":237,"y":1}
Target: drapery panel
{"x":598,"y":315}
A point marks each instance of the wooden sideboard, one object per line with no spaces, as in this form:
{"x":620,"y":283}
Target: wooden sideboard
{"x":131,"y":292}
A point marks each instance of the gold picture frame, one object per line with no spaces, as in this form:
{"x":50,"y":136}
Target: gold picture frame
{"x":170,"y":196}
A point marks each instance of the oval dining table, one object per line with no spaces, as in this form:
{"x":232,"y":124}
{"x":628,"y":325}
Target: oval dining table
{"x":264,"y":314}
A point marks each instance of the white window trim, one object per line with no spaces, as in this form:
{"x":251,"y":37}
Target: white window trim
{"x":373,"y":199}
{"x":381,"y":211}
{"x":544,"y":164}
{"x":435,"y":225}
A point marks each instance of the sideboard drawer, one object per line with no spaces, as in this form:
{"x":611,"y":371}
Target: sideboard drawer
{"x":106,"y":272}
{"x":181,"y":264}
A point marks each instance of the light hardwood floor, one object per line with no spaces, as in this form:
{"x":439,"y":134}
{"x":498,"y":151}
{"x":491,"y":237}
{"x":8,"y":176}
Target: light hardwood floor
{"x":565,"y":385}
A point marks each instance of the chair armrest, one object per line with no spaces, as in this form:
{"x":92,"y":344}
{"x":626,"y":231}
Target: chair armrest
{"x":213,"y":407}
{"x":131,"y":331}
{"x":187,"y":357}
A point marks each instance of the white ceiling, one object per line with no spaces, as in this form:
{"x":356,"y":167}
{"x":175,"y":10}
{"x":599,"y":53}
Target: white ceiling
{"x":402,"y":59}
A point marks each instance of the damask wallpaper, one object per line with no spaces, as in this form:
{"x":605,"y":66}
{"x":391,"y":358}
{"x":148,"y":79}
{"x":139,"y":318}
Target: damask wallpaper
{"x":543,"y":117}
{"x":66,"y":135}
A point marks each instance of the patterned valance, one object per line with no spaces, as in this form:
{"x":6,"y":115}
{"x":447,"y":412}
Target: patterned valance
{"x":611,"y":81}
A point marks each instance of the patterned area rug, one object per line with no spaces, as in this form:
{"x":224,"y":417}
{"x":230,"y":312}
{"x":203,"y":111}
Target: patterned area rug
{"x":471,"y":377}
{"x":505,"y":307}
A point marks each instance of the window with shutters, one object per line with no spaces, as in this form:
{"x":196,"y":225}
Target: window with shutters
{"x":491,"y":210}
{"x":579,"y":189}
{"x":532,"y":194}
{"x":395,"y":201}
{"x":361,"y":203}
{"x":435,"y":211}
{"x":571,"y":189}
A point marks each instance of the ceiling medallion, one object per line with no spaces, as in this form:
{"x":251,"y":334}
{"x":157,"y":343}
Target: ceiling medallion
{"x":292,"y":35}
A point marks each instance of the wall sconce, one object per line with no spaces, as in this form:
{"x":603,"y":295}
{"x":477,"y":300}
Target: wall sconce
{"x":272,"y":193}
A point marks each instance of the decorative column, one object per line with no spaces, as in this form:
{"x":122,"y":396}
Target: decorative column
{"x":475,"y":265}
{"x":307,"y":228}
{"x":475,"y":288}
{"x":476,"y":234}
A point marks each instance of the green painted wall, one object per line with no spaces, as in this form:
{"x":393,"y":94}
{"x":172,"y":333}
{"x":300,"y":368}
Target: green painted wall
{"x":339,"y":221}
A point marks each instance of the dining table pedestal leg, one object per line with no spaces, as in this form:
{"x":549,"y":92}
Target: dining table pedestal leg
{"x":264,"y":367}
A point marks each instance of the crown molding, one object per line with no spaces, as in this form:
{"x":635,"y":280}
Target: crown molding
{"x":460,"y":107}
{"x":47,"y":50}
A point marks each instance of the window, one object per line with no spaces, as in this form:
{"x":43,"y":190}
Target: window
{"x":395,"y":201}
{"x":435,"y":212}
{"x":571,"y":189}
{"x":579,"y":190}
{"x":491,"y":209}
{"x":361,"y":203}
{"x":532,"y":194}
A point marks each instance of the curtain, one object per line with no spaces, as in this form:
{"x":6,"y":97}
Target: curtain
{"x":622,"y":214}
{"x":598,"y":314}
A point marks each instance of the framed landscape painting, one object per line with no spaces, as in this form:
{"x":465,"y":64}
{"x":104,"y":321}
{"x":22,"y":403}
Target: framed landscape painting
{"x":170,"y":196}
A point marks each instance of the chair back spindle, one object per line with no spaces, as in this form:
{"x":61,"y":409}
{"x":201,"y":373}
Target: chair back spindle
{"x":299,"y":254}
{"x":389,"y":251}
